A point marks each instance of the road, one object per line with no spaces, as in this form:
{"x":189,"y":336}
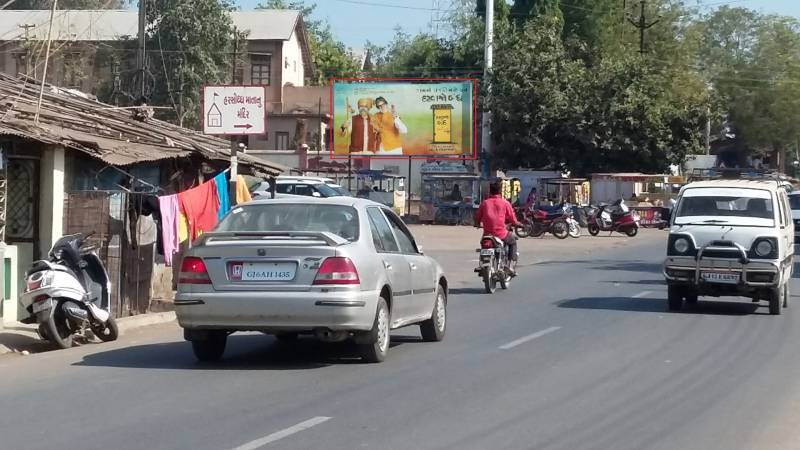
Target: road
{"x":578,"y":354}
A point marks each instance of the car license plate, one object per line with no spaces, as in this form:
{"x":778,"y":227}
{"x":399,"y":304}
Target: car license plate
{"x":43,"y":305}
{"x":718,"y":277}
{"x":487,"y":252}
{"x":279,"y":271}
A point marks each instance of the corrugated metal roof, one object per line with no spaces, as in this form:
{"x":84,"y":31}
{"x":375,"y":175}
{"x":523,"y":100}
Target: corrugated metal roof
{"x":103,"y":131}
{"x":113,"y":24}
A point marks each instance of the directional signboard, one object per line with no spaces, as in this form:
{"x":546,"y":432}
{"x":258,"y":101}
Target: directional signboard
{"x":234,"y":110}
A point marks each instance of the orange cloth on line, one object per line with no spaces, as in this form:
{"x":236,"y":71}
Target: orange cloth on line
{"x":201,"y":207}
{"x":242,"y":193}
{"x":183,"y":228}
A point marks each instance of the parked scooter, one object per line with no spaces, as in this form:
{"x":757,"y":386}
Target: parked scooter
{"x":70,"y":292}
{"x":493,"y":264}
{"x":539,"y":221}
{"x":614,"y":218}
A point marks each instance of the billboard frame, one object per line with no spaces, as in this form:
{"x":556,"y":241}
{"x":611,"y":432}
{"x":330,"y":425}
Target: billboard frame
{"x":464,"y":157}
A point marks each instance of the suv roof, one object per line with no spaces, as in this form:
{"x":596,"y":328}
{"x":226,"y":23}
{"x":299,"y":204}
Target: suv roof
{"x":741,"y":184}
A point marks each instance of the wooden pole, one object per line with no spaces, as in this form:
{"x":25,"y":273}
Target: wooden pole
{"x":46,"y":61}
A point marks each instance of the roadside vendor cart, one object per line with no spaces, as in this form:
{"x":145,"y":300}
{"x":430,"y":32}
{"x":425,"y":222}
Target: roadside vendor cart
{"x":576,"y":191}
{"x":450,"y":199}
{"x":382,"y":187}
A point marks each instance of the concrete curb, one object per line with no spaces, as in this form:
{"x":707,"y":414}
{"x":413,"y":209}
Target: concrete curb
{"x":25,"y":334}
{"x":143,"y":320}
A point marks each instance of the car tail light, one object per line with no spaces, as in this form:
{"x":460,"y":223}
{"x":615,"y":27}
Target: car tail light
{"x":487,"y":243}
{"x":193,"y":271}
{"x":337,"y":270}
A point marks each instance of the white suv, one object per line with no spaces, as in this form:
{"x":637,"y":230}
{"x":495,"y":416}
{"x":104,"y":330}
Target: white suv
{"x":731,"y":237}
{"x":303,"y":186}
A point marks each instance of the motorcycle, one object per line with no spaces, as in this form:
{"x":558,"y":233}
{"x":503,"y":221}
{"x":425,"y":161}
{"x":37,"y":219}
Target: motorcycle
{"x":493,"y":264}
{"x":614,"y":218}
{"x":559,"y":222}
{"x":70,"y":292}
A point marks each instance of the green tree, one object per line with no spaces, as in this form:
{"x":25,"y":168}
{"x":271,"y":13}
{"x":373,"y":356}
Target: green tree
{"x":194,"y":40}
{"x":330,"y":56}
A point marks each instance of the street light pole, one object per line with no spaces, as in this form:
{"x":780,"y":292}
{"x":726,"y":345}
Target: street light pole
{"x":486,"y":135}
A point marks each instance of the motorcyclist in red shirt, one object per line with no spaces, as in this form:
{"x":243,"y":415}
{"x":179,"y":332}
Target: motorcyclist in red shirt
{"x":493,"y":214}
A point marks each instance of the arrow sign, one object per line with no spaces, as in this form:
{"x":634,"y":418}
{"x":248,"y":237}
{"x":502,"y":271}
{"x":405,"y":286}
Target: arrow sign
{"x":234,"y":110}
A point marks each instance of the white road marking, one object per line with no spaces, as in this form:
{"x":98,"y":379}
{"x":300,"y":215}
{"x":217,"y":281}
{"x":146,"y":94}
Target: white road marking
{"x":278,"y":435}
{"x":642,"y":294}
{"x":529,"y":337}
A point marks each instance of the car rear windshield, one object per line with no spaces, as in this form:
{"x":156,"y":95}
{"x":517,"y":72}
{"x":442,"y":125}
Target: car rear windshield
{"x":724,"y":206}
{"x":794,"y":201}
{"x":337,"y":219}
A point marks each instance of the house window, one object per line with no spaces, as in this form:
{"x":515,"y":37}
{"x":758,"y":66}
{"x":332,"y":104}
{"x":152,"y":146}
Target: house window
{"x":260,"y":69}
{"x":281,"y":140}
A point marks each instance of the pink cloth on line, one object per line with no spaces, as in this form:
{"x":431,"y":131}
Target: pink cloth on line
{"x":170,"y":210}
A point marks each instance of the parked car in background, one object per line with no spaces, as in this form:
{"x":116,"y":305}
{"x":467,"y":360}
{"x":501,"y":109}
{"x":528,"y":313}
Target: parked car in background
{"x":304,"y":186}
{"x":794,"y":203}
{"x":337,"y":268}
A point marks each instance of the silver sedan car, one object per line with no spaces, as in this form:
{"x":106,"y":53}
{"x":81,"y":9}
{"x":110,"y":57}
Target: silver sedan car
{"x":337,"y":268}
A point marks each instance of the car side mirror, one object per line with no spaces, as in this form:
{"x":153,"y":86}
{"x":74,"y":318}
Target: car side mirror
{"x":419,"y":250}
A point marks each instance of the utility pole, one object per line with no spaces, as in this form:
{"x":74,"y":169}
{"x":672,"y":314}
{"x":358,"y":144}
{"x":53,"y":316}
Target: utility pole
{"x":642,"y":24}
{"x":46,"y":60}
{"x":708,"y":130}
{"x":27,"y":28}
{"x":142,"y":63}
{"x":486,"y":135}
{"x":235,"y":55}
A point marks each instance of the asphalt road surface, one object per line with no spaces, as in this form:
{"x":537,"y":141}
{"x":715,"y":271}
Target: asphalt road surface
{"x":578,"y":354}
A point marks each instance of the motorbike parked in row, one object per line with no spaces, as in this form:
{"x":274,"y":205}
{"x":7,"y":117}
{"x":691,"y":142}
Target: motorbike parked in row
{"x":559,"y":221}
{"x":69,"y":293}
{"x":493,"y":264}
{"x":616,"y":217}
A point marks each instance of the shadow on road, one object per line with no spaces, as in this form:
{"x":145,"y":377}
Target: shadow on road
{"x":243,"y":352}
{"x":660,"y":282}
{"x":611,"y":265}
{"x":465,"y":290}
{"x":657,"y":305}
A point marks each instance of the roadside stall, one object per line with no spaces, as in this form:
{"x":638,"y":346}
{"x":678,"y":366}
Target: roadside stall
{"x":570,"y":190}
{"x":450,"y":199}
{"x":649,"y":195}
{"x":382,"y":187}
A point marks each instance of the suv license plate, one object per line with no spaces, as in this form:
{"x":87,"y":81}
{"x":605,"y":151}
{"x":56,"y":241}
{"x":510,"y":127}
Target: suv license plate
{"x":487,"y":252}
{"x":717,"y":277}
{"x":43,"y":305}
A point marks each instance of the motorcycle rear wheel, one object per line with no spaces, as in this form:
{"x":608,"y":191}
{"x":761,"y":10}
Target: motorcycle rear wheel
{"x":489,"y":283}
{"x":633,"y":231}
{"x":523,"y":231}
{"x":560,"y":229}
{"x":574,"y":230}
{"x":58,"y":331}
{"x":593,"y":229}
{"x":107,"y":333}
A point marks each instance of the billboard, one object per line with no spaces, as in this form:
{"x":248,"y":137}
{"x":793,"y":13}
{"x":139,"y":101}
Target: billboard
{"x":401,"y":118}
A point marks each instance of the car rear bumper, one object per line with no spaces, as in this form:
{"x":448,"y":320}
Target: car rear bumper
{"x":277,"y":311}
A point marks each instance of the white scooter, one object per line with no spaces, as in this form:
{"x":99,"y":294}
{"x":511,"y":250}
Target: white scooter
{"x":69,"y":293}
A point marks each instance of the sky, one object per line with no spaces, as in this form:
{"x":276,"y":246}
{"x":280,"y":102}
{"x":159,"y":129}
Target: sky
{"x":356,"y":21}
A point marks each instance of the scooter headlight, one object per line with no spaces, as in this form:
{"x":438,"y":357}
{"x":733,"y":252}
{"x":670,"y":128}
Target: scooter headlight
{"x":681,"y":245}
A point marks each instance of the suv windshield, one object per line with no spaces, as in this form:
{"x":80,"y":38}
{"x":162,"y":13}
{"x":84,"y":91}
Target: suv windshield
{"x":701,"y":206}
{"x":337,"y":219}
{"x":307,"y":189}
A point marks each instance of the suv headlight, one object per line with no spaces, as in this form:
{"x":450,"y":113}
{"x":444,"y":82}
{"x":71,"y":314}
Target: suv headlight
{"x":681,"y":245}
{"x":764,"y":248}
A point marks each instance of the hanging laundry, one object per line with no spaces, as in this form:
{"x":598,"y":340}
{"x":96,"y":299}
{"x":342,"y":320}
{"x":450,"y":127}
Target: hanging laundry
{"x":242,"y":193}
{"x":144,"y":231}
{"x":222,"y":194}
{"x":183,"y":226}
{"x":170,"y":210}
{"x":201,"y":205}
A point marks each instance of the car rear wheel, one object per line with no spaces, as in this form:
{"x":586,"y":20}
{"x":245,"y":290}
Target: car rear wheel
{"x":433,"y":329}
{"x":374,"y":351}
{"x":674,"y":298}
{"x":211,"y":348}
